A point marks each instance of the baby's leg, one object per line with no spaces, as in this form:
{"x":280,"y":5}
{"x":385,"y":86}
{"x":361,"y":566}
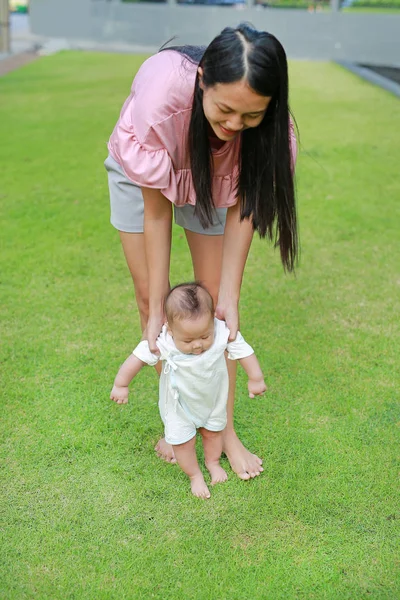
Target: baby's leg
{"x":212,"y":443}
{"x":185,"y":455}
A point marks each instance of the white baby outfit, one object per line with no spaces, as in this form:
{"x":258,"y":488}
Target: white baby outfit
{"x":193,"y":388}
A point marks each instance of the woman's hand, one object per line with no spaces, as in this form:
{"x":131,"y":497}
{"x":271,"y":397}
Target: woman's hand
{"x":228,"y":312}
{"x":152,"y":331}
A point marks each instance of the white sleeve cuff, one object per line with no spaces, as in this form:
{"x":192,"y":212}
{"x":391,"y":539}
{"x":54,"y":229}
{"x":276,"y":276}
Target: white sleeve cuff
{"x":142,"y":352}
{"x":239,"y":348}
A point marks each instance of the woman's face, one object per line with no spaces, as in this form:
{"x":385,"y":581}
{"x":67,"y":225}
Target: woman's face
{"x":230,"y":108}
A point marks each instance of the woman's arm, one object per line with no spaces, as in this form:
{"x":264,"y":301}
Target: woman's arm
{"x":157,"y":239}
{"x":237,"y":240}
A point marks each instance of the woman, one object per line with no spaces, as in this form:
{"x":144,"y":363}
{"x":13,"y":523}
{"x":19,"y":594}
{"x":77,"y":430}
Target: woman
{"x":205,"y":130}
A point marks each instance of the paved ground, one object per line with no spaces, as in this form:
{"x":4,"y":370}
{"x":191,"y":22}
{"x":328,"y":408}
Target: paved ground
{"x":24,"y":45}
{"x":15,"y":61}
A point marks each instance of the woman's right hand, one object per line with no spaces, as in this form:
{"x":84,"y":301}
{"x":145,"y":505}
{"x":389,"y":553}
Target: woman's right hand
{"x":157,"y":239}
{"x":152,"y":331}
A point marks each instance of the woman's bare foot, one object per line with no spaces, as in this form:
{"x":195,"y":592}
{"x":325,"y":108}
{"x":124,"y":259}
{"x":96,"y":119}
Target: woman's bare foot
{"x":218,"y":474}
{"x":165,"y":451}
{"x":199,"y":487}
{"x":245,"y":464}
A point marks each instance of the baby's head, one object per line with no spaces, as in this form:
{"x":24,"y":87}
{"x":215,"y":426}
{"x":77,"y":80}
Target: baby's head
{"x":189,"y":309}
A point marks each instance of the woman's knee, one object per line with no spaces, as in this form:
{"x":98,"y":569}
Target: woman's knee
{"x":142,"y":301}
{"x":213,"y":288}
{"x":206,"y":252}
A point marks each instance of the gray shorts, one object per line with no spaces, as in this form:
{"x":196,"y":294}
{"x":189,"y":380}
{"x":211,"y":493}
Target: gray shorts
{"x":127,"y":206}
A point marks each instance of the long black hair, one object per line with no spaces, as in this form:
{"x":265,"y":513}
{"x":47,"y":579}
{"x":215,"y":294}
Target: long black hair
{"x":265,"y":183}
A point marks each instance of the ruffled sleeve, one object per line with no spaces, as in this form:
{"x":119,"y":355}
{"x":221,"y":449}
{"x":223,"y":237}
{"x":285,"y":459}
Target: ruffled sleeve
{"x":146,"y":163}
{"x":151,"y":133}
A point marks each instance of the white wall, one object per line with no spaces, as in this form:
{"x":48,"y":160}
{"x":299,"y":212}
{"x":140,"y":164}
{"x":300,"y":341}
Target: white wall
{"x":370,"y":38}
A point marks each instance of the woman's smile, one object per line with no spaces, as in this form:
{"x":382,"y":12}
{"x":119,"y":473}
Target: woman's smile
{"x":229,"y":132}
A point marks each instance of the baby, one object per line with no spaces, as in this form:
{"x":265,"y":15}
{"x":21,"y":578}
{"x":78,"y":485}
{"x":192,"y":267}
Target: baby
{"x":194,"y":381}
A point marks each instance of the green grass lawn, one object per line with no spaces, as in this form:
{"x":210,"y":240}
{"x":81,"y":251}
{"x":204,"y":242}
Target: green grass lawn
{"x":88,"y":511}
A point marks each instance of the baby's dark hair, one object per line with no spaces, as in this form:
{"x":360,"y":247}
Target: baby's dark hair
{"x":188,"y":301}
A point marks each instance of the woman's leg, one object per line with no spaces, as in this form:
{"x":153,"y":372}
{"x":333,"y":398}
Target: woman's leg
{"x":133,"y":246}
{"x":206,"y":251}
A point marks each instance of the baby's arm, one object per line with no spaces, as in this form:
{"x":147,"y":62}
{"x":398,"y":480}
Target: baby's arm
{"x":240,"y":350}
{"x":256,"y":384}
{"x":127,"y":372}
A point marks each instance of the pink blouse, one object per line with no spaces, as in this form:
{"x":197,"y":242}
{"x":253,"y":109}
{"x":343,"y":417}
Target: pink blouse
{"x":150,"y":139}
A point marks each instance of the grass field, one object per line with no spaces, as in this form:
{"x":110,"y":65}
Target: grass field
{"x":88,"y":511}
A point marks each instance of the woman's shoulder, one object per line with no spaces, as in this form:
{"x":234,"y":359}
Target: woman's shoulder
{"x":165,"y":82}
{"x":160,"y":65}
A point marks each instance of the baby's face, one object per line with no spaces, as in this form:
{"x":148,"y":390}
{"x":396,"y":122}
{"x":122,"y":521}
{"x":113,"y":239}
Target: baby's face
{"x":193,"y":336}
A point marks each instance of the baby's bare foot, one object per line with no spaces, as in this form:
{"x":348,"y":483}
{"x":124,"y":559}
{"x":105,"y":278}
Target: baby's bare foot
{"x":218,"y":475}
{"x":165,"y":451}
{"x":199,"y":487}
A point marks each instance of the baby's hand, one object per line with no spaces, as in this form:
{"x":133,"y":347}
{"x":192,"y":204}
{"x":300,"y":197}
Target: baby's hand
{"x":119,"y":394}
{"x":256,"y":387}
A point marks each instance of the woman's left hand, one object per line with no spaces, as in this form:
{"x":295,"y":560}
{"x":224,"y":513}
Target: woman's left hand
{"x":228,"y":312}
{"x":236,"y":244}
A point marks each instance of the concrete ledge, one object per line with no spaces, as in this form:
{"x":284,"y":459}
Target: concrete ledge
{"x":371,"y":77}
